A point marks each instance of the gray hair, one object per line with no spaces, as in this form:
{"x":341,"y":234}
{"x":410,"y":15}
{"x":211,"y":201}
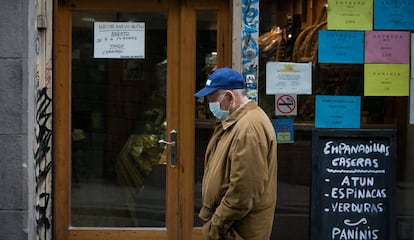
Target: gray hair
{"x":238,"y":92}
{"x":241,"y":92}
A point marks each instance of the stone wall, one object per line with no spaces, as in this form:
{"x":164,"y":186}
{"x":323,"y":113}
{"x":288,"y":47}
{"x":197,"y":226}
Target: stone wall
{"x":13,"y":119}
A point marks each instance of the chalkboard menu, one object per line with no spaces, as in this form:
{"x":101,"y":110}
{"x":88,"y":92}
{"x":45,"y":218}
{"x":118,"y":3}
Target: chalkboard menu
{"x":353,"y":178}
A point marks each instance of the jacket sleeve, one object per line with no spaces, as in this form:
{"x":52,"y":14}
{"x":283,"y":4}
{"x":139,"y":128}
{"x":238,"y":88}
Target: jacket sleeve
{"x":248,"y":174}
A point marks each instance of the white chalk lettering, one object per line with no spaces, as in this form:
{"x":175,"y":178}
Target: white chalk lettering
{"x":355,"y":162}
{"x":357,"y":181}
{"x":332,"y":147}
{"x":356,"y":193}
{"x":364,"y":207}
{"x":354,"y":233}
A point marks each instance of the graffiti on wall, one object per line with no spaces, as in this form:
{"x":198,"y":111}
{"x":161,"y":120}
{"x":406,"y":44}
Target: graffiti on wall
{"x":43,"y":156}
{"x":250,"y":47}
{"x":43,"y":164}
{"x":48,"y":78}
{"x":43,"y":132}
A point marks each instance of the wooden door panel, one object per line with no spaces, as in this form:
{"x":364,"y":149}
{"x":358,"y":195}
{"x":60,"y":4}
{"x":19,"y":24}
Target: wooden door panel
{"x":65,"y":104}
{"x":180,"y":103}
{"x":116,"y":234}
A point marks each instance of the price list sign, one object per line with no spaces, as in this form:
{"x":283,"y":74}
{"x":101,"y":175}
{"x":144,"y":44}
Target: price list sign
{"x":353,"y":184}
{"x":344,"y":47}
{"x":350,"y":15}
{"x":386,"y":79}
{"x":387,"y":47}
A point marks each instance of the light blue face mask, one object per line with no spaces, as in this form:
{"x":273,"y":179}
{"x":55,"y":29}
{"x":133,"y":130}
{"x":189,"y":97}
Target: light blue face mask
{"x":216,"y":110}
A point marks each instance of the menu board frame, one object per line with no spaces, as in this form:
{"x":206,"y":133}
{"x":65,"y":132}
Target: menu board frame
{"x":331,"y":217}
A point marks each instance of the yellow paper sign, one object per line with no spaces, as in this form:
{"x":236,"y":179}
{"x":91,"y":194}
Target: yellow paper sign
{"x":350,"y":15}
{"x":386,"y":79}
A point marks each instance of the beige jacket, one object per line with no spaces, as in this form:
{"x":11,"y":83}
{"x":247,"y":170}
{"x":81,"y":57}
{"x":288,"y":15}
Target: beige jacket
{"x":240,"y":177}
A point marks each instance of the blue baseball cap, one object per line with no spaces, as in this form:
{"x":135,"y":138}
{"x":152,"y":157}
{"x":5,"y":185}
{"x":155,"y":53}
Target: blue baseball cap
{"x":222,"y":78}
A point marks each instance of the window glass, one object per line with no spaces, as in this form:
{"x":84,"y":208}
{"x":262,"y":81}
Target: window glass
{"x":118,"y":116}
{"x":206,"y":61}
{"x":288,"y":33}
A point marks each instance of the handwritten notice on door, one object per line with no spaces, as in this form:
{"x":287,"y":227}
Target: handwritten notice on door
{"x":345,"y":47}
{"x":353,"y":184}
{"x":386,"y":79}
{"x":119,"y":40}
{"x":393,"y":14}
{"x":350,"y":15}
{"x":387,"y":47}
{"x":288,"y":77}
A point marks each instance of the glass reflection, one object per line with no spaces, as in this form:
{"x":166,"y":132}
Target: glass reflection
{"x":206,"y":60}
{"x":118,"y":116}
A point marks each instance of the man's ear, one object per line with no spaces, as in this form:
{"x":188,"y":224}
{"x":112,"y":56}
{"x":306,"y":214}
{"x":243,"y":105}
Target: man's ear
{"x":230,"y":94}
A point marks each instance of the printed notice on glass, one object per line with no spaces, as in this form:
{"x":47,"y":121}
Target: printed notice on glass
{"x":350,"y":15}
{"x":284,"y":128}
{"x":387,"y":47}
{"x":393,"y":14}
{"x":119,"y":40}
{"x":288,"y":77}
{"x":286,"y":104}
{"x":346,"y":47}
{"x":386,"y":79}
{"x":337,"y":111}
{"x":353,"y":184}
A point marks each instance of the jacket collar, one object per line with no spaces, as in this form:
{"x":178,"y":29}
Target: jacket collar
{"x":239,"y":113}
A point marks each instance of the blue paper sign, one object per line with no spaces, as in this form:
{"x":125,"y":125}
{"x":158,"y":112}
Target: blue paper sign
{"x":284,"y":130}
{"x":337,"y":111}
{"x":346,"y":47}
{"x":393,"y":15}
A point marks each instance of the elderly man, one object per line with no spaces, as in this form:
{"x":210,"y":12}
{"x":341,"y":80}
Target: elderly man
{"x":240,"y":170}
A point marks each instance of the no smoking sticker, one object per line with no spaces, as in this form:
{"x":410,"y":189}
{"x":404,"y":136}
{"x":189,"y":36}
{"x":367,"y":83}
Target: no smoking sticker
{"x":286,"y":104}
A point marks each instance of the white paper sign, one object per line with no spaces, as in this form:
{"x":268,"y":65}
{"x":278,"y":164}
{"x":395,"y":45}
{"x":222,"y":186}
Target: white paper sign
{"x":288,"y":77}
{"x":412,"y":102}
{"x":119,"y":40}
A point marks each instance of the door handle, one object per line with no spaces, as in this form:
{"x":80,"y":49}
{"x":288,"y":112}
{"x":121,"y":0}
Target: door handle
{"x":173,"y":146}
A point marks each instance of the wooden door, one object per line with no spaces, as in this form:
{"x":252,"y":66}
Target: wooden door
{"x":125,"y":116}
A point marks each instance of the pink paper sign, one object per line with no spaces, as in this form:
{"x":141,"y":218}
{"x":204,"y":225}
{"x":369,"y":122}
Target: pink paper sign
{"x":387,"y":47}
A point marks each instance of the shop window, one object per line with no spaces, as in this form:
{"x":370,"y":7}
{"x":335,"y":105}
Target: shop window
{"x":289,"y":33}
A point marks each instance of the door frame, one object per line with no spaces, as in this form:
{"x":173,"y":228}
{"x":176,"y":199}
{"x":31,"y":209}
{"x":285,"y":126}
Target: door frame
{"x":180,"y":114}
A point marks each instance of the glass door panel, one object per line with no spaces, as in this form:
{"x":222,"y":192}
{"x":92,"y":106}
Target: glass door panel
{"x":206,"y":62}
{"x":118,"y":116}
